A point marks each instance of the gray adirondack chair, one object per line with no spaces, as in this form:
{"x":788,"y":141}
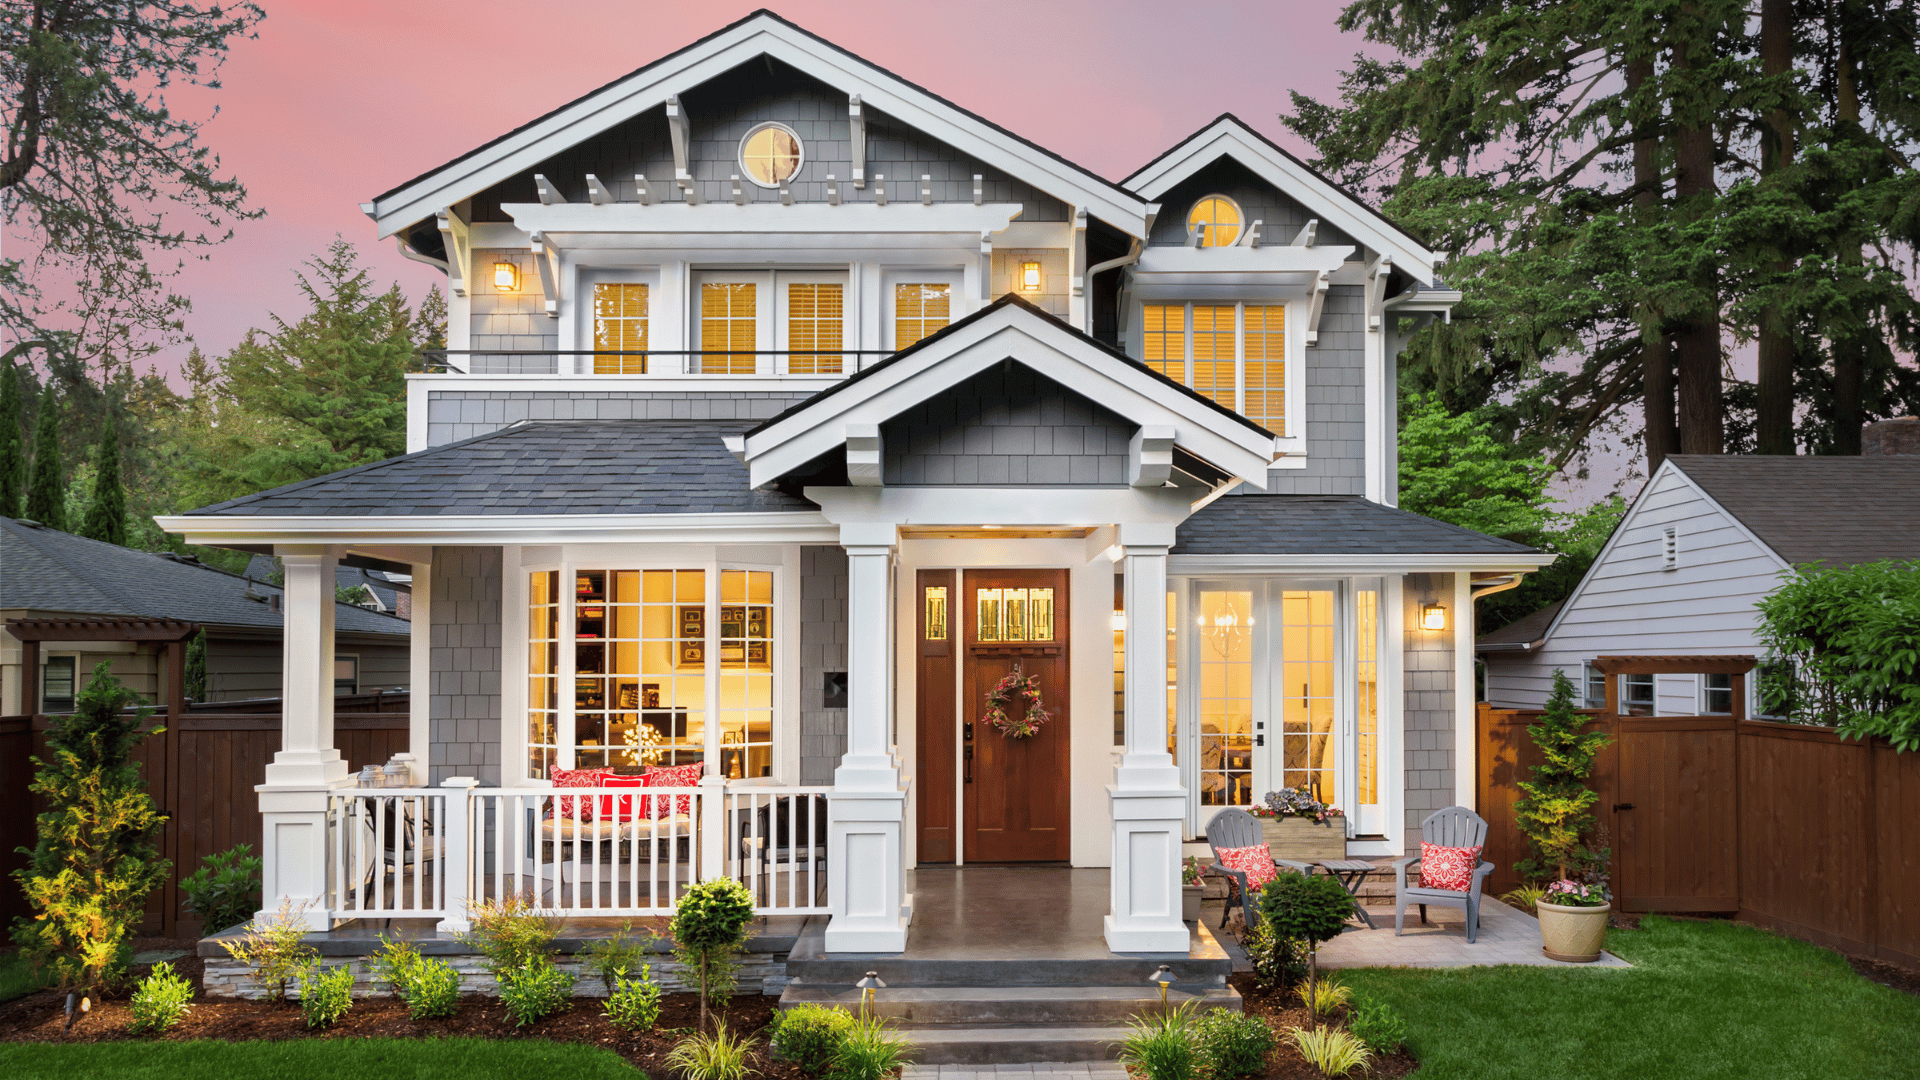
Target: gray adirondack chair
{"x":1456,"y":826}
{"x":1234,"y":828}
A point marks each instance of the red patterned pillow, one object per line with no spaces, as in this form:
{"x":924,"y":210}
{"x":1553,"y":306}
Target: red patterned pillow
{"x":1256,"y":862}
{"x":673,"y":776}
{"x":618,"y":808}
{"x":1449,"y":868}
{"x":575,"y":778}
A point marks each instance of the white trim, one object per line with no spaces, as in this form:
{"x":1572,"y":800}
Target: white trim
{"x":1337,"y":563}
{"x":649,"y":88}
{"x":1393,"y":704}
{"x":740,"y":154}
{"x":726,"y":226}
{"x":792,"y":528}
{"x":665,"y":383}
{"x":420,"y":673}
{"x":1227,"y":137}
{"x":1465,"y":767}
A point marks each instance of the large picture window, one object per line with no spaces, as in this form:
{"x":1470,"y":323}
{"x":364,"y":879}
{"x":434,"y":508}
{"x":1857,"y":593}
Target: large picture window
{"x":1234,"y":354}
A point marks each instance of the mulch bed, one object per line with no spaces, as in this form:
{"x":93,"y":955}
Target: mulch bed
{"x":41,"y":1017}
{"x":1282,"y":1009}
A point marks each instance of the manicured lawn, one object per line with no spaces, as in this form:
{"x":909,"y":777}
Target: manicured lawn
{"x":387,"y":1059}
{"x":1705,"y":999}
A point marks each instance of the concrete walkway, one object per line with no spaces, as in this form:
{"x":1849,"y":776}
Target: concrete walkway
{"x":1507,"y":936}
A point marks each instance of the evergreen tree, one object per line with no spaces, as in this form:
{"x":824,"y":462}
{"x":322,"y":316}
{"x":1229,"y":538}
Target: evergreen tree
{"x":13,"y":450}
{"x":1555,"y":809}
{"x":47,"y":488}
{"x":106,"y":517}
{"x":97,"y":856}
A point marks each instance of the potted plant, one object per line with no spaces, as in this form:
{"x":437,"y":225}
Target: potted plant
{"x":1192,"y":889}
{"x":1555,"y":811}
{"x":1298,"y":826}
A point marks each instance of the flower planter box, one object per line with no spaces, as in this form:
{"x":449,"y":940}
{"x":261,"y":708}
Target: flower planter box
{"x":1572,"y":934}
{"x":1298,"y":838}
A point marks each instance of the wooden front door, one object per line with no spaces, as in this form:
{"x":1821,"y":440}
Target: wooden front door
{"x":1015,"y":790}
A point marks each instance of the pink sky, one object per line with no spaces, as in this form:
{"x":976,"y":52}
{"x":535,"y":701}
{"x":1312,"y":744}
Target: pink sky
{"x":339,"y":100}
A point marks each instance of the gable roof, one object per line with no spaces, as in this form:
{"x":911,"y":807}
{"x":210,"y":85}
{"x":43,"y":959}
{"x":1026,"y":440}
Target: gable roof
{"x":1229,"y":136}
{"x":557,"y":467}
{"x":760,"y":33}
{"x":1323,"y":524}
{"x":48,"y":570}
{"x":1010,"y":328}
{"x":1834,"y":510}
{"x":1523,"y":633}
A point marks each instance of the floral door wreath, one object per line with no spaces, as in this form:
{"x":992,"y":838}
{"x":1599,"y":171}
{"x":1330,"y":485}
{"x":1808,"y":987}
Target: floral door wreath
{"x":1013,"y":706}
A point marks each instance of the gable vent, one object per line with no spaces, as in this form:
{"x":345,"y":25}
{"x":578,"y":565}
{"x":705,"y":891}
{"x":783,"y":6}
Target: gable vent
{"x":1670,"y":548}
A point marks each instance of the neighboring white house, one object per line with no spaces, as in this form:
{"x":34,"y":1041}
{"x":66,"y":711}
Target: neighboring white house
{"x":1706,"y":540}
{"x":789,"y":407}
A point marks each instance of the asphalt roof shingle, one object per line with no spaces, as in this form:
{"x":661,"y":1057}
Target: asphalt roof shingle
{"x":541,"y":467}
{"x":43,"y":569}
{"x":1325,"y":524}
{"x":1836,"y":510}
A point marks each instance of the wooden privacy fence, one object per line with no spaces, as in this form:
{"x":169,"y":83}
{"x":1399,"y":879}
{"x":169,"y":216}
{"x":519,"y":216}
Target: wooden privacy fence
{"x":201,"y":772}
{"x":1787,"y":826}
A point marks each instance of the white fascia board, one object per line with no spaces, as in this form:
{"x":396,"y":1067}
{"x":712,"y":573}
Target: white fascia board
{"x":580,"y":220}
{"x":1336,"y":563}
{"x":887,"y":392}
{"x":806,"y":527}
{"x":1023,"y":507}
{"x":676,"y":383}
{"x":1201,"y":262}
{"x":1334,"y":206}
{"x":649,"y":88}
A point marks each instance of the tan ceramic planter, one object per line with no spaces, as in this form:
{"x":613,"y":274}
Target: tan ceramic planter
{"x":1572,"y":934}
{"x":1298,"y":838}
{"x":1190,"y":896}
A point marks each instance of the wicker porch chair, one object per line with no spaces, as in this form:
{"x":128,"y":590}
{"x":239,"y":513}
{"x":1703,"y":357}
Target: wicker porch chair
{"x":1235,"y":828}
{"x":1456,"y":826}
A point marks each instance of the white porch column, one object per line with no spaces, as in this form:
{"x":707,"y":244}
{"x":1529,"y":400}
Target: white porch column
{"x":293,"y":801}
{"x":1146,"y":797}
{"x":867,"y":807}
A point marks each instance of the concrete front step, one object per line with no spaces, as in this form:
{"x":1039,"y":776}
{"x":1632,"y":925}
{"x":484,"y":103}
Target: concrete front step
{"x":1015,"y":1045}
{"x":967,"y":1006}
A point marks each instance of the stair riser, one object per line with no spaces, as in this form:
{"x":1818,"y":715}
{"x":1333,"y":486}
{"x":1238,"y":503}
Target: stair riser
{"x":897,"y":972}
{"x":977,"y":1014}
{"x":994,"y":1053}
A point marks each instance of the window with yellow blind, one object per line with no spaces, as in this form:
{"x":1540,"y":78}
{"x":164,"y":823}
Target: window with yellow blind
{"x":1234,"y":354}
{"x":815,"y":325}
{"x":619,"y":326}
{"x":729,"y":320}
{"x":920,"y":309}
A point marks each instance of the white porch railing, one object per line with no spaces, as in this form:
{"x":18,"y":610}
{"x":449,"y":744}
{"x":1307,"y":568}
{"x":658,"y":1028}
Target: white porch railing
{"x":612,"y":851}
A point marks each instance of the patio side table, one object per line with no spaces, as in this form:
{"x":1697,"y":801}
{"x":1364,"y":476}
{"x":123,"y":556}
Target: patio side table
{"x":1351,"y":873}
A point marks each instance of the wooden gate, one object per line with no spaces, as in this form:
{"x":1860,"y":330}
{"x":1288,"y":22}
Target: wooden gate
{"x":1676,"y":838}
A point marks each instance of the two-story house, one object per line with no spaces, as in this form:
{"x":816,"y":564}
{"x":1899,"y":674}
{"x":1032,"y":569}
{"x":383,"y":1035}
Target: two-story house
{"x":790,"y":407}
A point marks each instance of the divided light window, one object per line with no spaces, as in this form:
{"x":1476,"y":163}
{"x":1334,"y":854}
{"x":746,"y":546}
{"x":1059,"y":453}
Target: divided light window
{"x":1235,"y":354}
{"x":619,"y":325}
{"x":729,"y":319}
{"x":920,"y":309}
{"x":56,"y":684}
{"x":748,"y":320}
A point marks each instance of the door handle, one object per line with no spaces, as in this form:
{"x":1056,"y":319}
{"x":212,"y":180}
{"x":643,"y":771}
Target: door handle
{"x":1259,"y":740}
{"x":1619,"y":806}
{"x":967,"y":758}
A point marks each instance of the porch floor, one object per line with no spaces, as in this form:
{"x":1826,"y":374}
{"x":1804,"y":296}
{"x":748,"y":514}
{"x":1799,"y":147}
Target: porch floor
{"x":1507,"y":936}
{"x":1011,"y":913}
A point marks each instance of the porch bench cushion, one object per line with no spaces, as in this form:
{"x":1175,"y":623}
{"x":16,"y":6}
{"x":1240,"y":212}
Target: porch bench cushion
{"x":569,"y":830}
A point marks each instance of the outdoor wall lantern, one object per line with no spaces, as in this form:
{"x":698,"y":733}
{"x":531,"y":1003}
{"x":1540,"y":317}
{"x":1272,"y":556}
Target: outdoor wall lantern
{"x":506,"y":277}
{"x":1433,"y":616}
{"x":1030,"y":276}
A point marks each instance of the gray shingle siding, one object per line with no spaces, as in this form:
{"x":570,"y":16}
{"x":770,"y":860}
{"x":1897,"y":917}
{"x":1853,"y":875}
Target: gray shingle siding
{"x":453,"y":415}
{"x":464,"y":724}
{"x":1280,"y":215}
{"x":1427,"y":708}
{"x":823,"y":648}
{"x":1007,"y":426}
{"x":1335,"y":403}
{"x":509,"y":321}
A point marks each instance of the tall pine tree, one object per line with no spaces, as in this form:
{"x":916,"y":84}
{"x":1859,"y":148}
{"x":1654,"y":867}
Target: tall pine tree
{"x":47,"y":487}
{"x":13,"y":447}
{"x":107,"y":512}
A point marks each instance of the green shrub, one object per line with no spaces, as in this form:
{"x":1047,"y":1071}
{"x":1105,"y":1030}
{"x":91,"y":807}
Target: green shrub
{"x":710,"y":924}
{"x":1376,"y":1024}
{"x":511,"y":933}
{"x":1277,"y":962}
{"x":634,"y":1004}
{"x":870,"y":1051}
{"x":1324,"y":997}
{"x":431,"y":988}
{"x":1843,"y":648}
{"x":274,"y":950}
{"x":810,"y":1035}
{"x":1555,"y":809}
{"x":326,"y":993}
{"x":1334,"y":1051}
{"x":612,"y":957}
{"x":534,"y":991}
{"x":392,"y":962}
{"x":96,"y":856}
{"x":1311,"y":909}
{"x":161,"y":1001}
{"x":1232,"y":1044}
{"x":1163,"y":1046}
{"x":718,"y":1056}
{"x":225,"y":891}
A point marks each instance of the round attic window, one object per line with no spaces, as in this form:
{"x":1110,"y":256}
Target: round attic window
{"x":1220,"y":215}
{"x":770,"y":154}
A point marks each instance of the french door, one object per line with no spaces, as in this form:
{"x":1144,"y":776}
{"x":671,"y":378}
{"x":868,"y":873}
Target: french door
{"x":746,"y":321}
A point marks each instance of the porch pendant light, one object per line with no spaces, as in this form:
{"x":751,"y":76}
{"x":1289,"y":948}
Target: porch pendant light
{"x":506,"y":276}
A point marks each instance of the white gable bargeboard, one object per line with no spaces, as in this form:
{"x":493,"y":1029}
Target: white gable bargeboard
{"x":1629,"y":604}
